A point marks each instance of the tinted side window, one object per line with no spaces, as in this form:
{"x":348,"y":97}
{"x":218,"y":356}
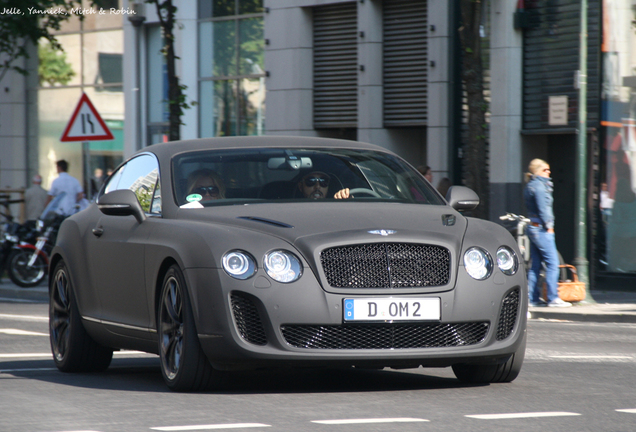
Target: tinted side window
{"x":140,"y":175}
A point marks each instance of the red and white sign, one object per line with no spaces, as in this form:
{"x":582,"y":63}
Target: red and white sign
{"x":86,"y":124}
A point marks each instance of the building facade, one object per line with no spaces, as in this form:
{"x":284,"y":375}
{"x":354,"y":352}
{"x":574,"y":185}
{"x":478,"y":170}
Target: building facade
{"x":380,"y":71}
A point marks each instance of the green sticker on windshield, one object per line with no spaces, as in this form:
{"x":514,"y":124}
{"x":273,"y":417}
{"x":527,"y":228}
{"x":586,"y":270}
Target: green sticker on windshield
{"x":194,"y":197}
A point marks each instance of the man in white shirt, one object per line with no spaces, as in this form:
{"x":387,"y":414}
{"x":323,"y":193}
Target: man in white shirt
{"x":68,"y":184}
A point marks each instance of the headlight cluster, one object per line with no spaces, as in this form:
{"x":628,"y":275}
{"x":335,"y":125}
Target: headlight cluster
{"x":479,"y":263}
{"x":280,"y":265}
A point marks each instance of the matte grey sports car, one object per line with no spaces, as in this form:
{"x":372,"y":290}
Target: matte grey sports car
{"x":232,"y":253}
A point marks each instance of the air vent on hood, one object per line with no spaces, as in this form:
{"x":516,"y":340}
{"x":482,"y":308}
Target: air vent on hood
{"x":267,"y":221}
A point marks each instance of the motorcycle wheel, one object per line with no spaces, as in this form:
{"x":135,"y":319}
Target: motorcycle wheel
{"x":22,"y":275}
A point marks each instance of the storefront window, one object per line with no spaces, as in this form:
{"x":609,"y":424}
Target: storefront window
{"x":617,"y":198}
{"x":231,"y":68}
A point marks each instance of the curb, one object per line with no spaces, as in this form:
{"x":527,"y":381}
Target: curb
{"x":11,"y":293}
{"x":584,"y":317}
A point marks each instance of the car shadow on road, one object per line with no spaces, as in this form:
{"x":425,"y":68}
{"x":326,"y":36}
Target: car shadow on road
{"x":144,"y":375}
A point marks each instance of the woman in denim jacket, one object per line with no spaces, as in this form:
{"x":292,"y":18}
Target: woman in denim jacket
{"x":538,"y":197}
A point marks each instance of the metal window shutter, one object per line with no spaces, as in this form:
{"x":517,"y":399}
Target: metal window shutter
{"x":551,"y":57}
{"x":405,"y":63}
{"x":335,"y":66}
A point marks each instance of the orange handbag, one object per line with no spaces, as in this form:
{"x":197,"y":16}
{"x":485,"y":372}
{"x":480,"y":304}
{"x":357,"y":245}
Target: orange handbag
{"x":571,"y":290}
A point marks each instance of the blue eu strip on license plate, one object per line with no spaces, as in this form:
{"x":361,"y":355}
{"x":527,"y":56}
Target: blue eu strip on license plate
{"x":392,"y":309}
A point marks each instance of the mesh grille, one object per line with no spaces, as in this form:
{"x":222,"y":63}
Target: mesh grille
{"x":386,"y":265}
{"x":384,"y":336}
{"x":248,"y":321}
{"x":508,"y":317}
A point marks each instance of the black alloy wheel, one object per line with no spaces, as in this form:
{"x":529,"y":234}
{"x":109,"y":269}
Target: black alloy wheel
{"x":73,"y":349}
{"x":184,"y":366}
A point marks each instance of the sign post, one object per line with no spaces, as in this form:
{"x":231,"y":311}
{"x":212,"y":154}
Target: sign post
{"x":86,"y":125}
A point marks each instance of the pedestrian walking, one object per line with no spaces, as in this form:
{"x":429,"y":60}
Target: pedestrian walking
{"x":539,"y":203}
{"x":35,"y":198}
{"x":68,"y":184}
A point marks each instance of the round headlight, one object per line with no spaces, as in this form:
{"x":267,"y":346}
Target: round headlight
{"x":478,"y":263}
{"x":239,"y":264}
{"x":282,"y":266}
{"x":507,"y":261}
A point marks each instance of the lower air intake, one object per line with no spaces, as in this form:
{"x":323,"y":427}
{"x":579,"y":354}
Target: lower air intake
{"x":247,"y":320}
{"x":384,"y":336}
{"x":508,"y":317}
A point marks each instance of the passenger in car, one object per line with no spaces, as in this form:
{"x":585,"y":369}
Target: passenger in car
{"x":206,"y":183}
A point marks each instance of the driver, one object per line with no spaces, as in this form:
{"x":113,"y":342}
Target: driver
{"x":316,"y":184}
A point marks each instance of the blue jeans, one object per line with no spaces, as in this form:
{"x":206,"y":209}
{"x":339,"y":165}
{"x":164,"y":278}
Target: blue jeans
{"x":543,"y":249}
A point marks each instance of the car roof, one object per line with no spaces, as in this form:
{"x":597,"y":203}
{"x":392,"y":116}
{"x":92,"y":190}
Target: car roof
{"x":169,"y":149}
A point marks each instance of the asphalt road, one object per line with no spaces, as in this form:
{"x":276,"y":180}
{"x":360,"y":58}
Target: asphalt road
{"x":577,"y":377}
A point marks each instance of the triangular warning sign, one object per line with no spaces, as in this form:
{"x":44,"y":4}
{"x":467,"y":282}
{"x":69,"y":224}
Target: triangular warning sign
{"x":86,"y":124}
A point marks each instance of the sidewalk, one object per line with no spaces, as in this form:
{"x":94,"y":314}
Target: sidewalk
{"x":610,"y":306}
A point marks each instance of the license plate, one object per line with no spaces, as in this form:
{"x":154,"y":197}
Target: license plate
{"x":392,"y":309}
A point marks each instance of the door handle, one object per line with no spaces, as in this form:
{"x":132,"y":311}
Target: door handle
{"x":97,"y":232}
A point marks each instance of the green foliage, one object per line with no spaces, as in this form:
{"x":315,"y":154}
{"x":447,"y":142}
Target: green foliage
{"x":53,"y":68}
{"x":28,"y":22}
{"x":144,"y":196}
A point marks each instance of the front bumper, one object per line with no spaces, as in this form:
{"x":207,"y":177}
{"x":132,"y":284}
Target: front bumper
{"x":246,"y":324}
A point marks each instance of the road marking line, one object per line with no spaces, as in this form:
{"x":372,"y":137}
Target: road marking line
{"x":607,"y":357}
{"x":522,"y":415}
{"x":40,"y":355}
{"x":210,"y":427}
{"x":26,"y":355}
{"x":370,"y":420}
{"x":629,"y":411}
{"x":10,"y":331}
{"x":24,"y":317}
{"x":26,"y":370}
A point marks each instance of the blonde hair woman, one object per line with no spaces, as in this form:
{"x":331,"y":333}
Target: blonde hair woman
{"x":539,"y":202}
{"x":206,"y":183}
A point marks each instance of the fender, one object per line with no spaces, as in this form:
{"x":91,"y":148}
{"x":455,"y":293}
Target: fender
{"x":41,"y":253}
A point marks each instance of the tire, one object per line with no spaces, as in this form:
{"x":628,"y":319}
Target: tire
{"x":492,"y":373}
{"x":73,"y":349}
{"x":20,"y":274}
{"x":184,"y":366}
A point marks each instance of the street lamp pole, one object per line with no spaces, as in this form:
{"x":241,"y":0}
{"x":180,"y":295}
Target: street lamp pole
{"x":580,"y":261}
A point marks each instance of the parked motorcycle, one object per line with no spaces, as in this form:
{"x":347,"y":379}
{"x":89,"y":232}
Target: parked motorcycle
{"x":28,"y":262}
{"x":516,"y":225}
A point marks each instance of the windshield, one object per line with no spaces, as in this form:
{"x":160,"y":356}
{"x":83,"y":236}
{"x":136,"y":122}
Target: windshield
{"x":222,"y":177}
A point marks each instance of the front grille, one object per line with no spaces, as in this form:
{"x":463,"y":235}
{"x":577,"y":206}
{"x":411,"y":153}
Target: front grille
{"x":386,"y":265}
{"x":508,"y":317}
{"x":248,"y":321}
{"x":385,"y":336}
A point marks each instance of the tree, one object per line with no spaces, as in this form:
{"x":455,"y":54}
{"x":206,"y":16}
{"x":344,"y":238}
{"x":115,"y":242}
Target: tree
{"x":176,"y":97}
{"x":25,"y":22}
{"x":475,"y":151}
{"x":53,"y":67}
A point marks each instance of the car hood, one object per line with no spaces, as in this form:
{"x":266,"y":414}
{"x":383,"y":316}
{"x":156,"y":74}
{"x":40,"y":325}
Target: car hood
{"x":313,"y":226}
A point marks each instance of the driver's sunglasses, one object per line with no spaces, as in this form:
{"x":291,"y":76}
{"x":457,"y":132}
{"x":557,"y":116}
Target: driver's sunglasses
{"x":310,"y":182}
{"x":212,"y":190}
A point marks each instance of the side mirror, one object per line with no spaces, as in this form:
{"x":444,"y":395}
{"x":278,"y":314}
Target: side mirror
{"x":462,"y":198}
{"x":122,"y":202}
